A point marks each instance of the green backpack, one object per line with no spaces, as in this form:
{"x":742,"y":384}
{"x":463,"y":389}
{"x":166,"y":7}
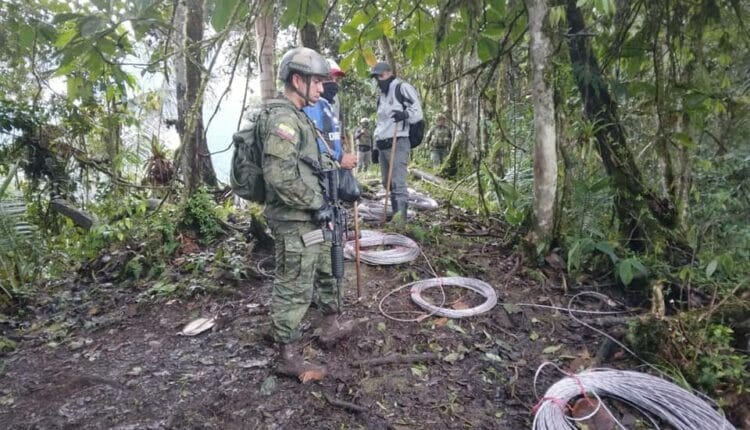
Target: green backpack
{"x":246,"y":175}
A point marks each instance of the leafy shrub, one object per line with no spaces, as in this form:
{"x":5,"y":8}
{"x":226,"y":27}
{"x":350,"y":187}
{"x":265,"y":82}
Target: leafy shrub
{"x":198,"y":215}
{"x":692,"y":350}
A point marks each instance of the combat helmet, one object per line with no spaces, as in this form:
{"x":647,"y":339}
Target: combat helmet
{"x":304,"y":61}
{"x":364,"y":120}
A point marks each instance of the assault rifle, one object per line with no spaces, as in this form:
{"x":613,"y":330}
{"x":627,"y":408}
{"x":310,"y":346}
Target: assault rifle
{"x":334,"y":230}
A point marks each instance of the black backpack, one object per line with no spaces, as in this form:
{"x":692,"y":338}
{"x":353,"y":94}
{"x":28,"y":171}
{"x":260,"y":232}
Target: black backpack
{"x":416,"y":130}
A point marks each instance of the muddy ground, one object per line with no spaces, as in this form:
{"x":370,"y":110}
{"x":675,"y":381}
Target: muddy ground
{"x":108,"y":354}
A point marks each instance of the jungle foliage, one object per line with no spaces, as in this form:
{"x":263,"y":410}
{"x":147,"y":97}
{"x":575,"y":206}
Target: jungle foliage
{"x":652,"y":116}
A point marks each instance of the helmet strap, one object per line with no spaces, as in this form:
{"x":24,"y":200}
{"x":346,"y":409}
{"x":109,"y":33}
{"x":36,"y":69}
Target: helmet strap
{"x":306,"y":96}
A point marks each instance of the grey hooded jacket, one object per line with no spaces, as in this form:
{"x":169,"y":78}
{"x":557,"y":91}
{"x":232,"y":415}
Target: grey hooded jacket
{"x":387,"y":104}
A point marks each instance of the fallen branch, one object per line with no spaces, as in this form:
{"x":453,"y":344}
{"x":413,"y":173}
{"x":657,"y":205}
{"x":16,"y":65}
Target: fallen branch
{"x":397,"y":358}
{"x":79,"y":217}
{"x":345,"y":405}
{"x":426,"y":176}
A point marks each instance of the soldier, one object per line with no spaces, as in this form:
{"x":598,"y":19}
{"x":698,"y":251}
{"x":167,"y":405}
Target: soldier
{"x":363,"y":138}
{"x":394,"y":119}
{"x":439,"y":141}
{"x":295,"y":205}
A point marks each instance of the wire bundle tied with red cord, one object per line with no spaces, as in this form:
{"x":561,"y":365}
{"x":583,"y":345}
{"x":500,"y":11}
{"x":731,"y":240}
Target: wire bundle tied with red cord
{"x":651,"y":395}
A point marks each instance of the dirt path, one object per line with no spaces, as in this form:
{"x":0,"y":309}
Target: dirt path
{"x":122,"y":365}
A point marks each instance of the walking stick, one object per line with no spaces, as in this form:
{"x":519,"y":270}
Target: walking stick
{"x":360,"y":293}
{"x":390,"y":175}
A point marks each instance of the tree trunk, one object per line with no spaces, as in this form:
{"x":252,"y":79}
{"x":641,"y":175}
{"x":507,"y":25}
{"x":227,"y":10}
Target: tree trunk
{"x":545,"y":152}
{"x":308,"y":37}
{"x":194,"y":157}
{"x":618,"y":161}
{"x":265,"y":40}
{"x":385,"y":47}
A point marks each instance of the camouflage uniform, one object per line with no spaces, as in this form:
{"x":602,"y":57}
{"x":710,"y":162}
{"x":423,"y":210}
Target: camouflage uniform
{"x":293,"y":193}
{"x":363,"y":137}
{"x":439,"y":142}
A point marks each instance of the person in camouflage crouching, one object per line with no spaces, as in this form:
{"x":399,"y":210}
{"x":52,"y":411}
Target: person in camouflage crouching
{"x":295,"y":204}
{"x":439,"y":141}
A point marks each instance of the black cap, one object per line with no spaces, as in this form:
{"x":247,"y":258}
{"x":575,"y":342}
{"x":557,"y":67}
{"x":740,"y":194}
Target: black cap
{"x":379,"y":68}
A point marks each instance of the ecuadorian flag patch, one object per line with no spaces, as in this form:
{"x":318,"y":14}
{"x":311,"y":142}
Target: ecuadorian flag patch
{"x":285,"y":132}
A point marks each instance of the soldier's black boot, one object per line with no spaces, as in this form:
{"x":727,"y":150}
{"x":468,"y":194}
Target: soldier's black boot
{"x":291,"y":362}
{"x":333,"y":331}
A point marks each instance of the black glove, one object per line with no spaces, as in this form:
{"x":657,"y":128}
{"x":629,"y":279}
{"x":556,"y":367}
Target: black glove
{"x":400,"y":115}
{"x":324,"y":214}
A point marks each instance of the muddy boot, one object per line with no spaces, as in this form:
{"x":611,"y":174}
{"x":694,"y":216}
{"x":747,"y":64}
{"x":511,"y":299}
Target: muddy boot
{"x":399,"y":211}
{"x":332,"y":331}
{"x":291,"y":362}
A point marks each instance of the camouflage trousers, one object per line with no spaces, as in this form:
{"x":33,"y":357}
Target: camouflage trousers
{"x":300,"y":271}
{"x":438,"y":156}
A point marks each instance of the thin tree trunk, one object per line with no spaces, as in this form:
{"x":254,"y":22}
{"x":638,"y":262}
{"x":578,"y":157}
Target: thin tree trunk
{"x":196,"y":159}
{"x":545,"y":152}
{"x":616,"y":156}
{"x":265,"y":40}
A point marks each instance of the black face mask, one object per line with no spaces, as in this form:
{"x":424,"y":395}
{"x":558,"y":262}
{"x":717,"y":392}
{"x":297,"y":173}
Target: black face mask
{"x":385,"y":83}
{"x":330,"y":89}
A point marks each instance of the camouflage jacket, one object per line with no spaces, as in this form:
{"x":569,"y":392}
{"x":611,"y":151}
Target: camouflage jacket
{"x":439,"y":137}
{"x":293,"y":190}
{"x":363,"y":136}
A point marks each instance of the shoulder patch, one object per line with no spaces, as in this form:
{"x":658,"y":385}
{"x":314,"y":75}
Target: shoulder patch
{"x":285,"y":132}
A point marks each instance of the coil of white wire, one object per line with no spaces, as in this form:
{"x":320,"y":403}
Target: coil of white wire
{"x":421,"y":201}
{"x":416,"y":199}
{"x":475,"y":285}
{"x":373,"y":210}
{"x":404,"y":249}
{"x":649,"y":394}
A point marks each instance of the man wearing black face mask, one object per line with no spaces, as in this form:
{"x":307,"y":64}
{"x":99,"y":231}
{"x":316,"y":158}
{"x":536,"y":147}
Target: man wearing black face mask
{"x":324,"y":115}
{"x":396,"y":113}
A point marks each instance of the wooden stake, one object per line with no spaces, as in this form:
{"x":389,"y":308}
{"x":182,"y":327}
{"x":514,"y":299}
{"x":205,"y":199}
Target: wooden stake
{"x":360,"y":291}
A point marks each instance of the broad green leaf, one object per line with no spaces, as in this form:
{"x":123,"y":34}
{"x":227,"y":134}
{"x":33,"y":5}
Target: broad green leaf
{"x":387,"y":26}
{"x":625,"y":271}
{"x":91,"y":25}
{"x":292,"y":13}
{"x":711,"y":267}
{"x":369,"y":56}
{"x":453,"y":38}
{"x":316,"y":11}
{"x":494,"y":30}
{"x":350,"y":30}
{"x":347,"y":45}
{"x":222,"y":12}
{"x":726,"y":263}
{"x":418,"y":51}
{"x":65,"y":37}
{"x":26,"y":36}
{"x":608,"y":249}
{"x":359,"y":18}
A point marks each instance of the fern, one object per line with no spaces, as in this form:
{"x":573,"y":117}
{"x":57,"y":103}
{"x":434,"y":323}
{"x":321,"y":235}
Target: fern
{"x":19,"y":245}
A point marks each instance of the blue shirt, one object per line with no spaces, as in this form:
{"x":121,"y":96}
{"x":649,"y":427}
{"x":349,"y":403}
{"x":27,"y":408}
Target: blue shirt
{"x":325,"y":120}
